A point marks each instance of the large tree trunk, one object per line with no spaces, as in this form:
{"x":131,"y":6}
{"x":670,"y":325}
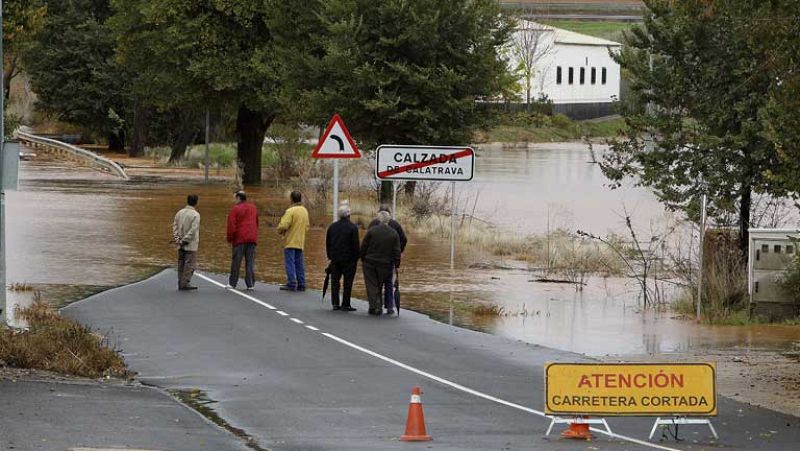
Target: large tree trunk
{"x":186,"y":125}
{"x":116,"y":140}
{"x":251,"y":126}
{"x":141,"y":115}
{"x":8,"y":74}
{"x":386,"y":192}
{"x":410,"y":188}
{"x":746,"y":199}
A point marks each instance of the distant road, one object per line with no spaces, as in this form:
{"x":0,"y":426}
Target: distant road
{"x":588,"y":17}
{"x":296,"y":376}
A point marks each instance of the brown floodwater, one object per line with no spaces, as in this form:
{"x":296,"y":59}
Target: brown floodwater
{"x":72,"y":232}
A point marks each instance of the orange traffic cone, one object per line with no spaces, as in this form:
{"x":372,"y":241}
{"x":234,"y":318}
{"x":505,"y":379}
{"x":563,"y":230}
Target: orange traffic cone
{"x":415,"y":424}
{"x":577,"y":430}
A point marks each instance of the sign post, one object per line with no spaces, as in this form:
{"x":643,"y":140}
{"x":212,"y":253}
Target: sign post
{"x":336,"y":143}
{"x":453,"y":226}
{"x":433,"y":163}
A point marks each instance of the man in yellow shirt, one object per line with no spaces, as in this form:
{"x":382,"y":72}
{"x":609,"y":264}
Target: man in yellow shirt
{"x":293,"y":226}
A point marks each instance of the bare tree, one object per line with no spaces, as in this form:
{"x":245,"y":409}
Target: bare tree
{"x":642,"y":257}
{"x":532,"y":42}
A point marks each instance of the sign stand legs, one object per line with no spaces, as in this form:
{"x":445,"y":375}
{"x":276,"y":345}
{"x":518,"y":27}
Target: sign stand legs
{"x":335,"y":188}
{"x":578,"y":420}
{"x":682,"y":420}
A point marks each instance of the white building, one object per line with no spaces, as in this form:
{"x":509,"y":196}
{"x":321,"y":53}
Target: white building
{"x":573,"y":70}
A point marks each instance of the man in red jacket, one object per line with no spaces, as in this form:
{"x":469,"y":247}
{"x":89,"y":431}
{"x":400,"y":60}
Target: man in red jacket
{"x":243,"y":236}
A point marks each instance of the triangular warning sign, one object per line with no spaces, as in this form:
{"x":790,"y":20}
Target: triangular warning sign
{"x":336,"y":142}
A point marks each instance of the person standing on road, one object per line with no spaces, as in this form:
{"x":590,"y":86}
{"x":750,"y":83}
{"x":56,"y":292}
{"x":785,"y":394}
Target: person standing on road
{"x":380,"y":251}
{"x":293,"y":226}
{"x":341,"y":244}
{"x":388,"y":289}
{"x":242,"y":235}
{"x":186,"y":234}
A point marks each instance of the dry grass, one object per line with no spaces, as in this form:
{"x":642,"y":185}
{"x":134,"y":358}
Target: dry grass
{"x":560,"y":251}
{"x":17,"y":286}
{"x":487,"y":310}
{"x":59,"y":344}
{"x":724,"y":294}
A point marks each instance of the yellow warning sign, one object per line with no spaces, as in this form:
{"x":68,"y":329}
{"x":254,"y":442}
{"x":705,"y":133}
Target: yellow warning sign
{"x":641,"y":389}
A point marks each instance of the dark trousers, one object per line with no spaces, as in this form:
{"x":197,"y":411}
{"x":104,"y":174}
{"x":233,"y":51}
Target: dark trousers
{"x":187,"y":262}
{"x":248,"y":252}
{"x":388,"y":289}
{"x":374,"y":277}
{"x":346,"y":268}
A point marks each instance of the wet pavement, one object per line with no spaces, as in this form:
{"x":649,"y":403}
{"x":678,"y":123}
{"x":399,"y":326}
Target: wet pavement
{"x":47,"y":415}
{"x":295,"y":375}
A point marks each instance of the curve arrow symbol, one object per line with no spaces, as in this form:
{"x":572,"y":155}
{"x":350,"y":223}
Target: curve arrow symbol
{"x":340,"y":141}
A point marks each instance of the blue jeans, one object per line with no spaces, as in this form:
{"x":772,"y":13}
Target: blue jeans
{"x":388,"y":289}
{"x":295,"y":269}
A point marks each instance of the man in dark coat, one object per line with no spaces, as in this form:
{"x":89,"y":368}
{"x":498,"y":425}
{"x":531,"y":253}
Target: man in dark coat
{"x":341,"y":244}
{"x":380,"y":251}
{"x":388,"y":291}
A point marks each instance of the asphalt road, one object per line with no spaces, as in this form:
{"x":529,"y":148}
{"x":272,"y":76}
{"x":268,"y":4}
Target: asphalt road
{"x":297,"y":376}
{"x":60,"y":416}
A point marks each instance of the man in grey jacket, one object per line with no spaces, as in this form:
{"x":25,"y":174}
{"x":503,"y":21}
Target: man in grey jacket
{"x":379,"y":251}
{"x":186,"y":233}
{"x":388,"y":288}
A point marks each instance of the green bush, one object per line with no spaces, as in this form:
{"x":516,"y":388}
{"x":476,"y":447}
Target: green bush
{"x":12,"y":121}
{"x":562,"y":121}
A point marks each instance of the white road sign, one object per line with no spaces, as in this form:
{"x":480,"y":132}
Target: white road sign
{"x":451,"y":164}
{"x":336,"y":142}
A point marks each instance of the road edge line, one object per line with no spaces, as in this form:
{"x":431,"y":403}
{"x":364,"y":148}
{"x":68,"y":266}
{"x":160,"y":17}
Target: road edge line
{"x":441,"y":380}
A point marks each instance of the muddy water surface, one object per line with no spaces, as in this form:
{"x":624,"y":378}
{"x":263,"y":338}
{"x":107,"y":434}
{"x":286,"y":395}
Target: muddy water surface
{"x":72,"y":232}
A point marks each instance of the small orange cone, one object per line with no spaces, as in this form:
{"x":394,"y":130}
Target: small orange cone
{"x":415,"y":424}
{"x":577,"y":430}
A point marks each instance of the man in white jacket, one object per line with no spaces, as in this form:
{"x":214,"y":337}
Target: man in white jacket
{"x":186,"y":233}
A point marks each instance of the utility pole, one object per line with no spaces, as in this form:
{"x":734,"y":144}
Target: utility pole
{"x":3,"y":314}
{"x":207,"y":161}
{"x":703,"y":214}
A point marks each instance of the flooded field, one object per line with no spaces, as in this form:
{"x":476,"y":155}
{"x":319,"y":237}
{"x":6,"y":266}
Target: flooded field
{"x":72,"y":232}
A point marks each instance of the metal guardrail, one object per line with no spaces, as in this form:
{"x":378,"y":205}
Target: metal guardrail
{"x":74,"y":151}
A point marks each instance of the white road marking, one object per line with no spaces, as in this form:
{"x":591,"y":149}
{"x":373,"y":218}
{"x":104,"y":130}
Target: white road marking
{"x":109,"y":449}
{"x":246,"y":296}
{"x":439,"y":379}
{"x":477,"y":393}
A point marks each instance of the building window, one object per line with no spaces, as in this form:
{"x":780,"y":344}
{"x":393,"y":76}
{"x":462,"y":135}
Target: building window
{"x":777,"y":248}
{"x":790,"y":249}
{"x":594,"y":75}
{"x":558,"y":75}
{"x":583,"y":75}
{"x":603,"y":76}
{"x":570,"y":75}
{"x":765,"y":248}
